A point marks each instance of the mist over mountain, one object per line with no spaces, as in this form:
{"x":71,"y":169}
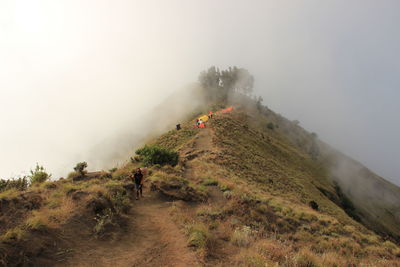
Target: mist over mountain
{"x":73,"y":74}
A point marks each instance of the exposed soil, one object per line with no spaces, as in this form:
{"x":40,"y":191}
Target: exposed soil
{"x":14,"y":211}
{"x":151,"y":239}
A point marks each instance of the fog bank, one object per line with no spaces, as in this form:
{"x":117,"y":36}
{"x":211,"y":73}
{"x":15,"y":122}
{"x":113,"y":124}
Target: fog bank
{"x":76,"y":73}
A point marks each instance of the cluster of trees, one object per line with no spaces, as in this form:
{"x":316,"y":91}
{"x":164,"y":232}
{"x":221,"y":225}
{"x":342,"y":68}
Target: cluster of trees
{"x":37,"y":176}
{"x":219,"y":84}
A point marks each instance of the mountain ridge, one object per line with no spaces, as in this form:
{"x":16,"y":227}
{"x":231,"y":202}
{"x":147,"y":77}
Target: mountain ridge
{"x":250,"y":189}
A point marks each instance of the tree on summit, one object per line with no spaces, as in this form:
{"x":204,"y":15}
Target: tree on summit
{"x":219,"y":84}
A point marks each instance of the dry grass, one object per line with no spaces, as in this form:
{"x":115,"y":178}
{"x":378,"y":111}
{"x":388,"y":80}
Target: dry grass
{"x":275,"y":204}
{"x":50,"y":217}
{"x":265,"y":219}
{"x":306,"y":258}
{"x":10,"y":194}
{"x":198,"y":235}
{"x":242,"y":236}
{"x":96,"y":189}
{"x":14,"y":234}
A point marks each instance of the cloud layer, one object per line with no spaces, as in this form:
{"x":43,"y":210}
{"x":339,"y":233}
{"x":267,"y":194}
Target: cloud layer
{"x":73,"y":74}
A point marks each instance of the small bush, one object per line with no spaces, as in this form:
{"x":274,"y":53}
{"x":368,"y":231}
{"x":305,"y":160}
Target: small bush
{"x":198,"y":235}
{"x":102,"y":221}
{"x":314,"y":205}
{"x":118,"y":196}
{"x":210,"y":182}
{"x":270,"y":126}
{"x":39,"y":175}
{"x":80,"y":167}
{"x":157,"y":155}
{"x":242,"y":237}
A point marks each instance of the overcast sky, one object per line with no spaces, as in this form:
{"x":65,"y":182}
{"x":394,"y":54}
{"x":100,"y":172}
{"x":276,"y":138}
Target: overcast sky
{"x":72,"y":72}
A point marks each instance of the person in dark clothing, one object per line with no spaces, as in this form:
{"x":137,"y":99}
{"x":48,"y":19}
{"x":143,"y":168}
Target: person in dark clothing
{"x":138,"y":180}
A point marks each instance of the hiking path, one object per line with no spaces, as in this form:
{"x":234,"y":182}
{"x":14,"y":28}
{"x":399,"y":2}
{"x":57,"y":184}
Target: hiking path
{"x":151,"y":239}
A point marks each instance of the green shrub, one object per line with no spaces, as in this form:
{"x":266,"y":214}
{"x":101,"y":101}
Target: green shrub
{"x":270,"y":126}
{"x":113,"y":170}
{"x":120,"y":201}
{"x":19,"y":184}
{"x":80,"y":167}
{"x":157,"y":155}
{"x":39,"y":175}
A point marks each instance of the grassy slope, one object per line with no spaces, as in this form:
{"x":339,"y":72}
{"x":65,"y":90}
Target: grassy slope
{"x":375,"y":199}
{"x":253,"y":186}
{"x":268,"y":181}
{"x":56,"y":216}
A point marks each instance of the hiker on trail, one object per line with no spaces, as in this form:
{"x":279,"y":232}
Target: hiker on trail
{"x":210,"y":114}
{"x":138,"y":180}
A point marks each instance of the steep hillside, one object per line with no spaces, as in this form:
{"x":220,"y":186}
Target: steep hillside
{"x":267,"y":195}
{"x":374,"y":201}
{"x":250,"y":189}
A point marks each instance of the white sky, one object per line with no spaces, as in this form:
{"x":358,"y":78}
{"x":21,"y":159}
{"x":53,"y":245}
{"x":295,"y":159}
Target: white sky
{"x":72,"y":72}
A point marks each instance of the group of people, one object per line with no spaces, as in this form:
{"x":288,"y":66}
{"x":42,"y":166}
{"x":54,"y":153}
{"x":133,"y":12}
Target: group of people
{"x":201,"y":123}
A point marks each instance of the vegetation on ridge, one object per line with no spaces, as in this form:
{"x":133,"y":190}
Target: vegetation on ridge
{"x":251,"y":189}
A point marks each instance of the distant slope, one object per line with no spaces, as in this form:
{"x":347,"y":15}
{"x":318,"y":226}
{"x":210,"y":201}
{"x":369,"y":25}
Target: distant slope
{"x":376,"y":200}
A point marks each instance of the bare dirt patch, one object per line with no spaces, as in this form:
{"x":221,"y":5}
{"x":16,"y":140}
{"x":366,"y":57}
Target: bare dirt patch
{"x":150,"y":239}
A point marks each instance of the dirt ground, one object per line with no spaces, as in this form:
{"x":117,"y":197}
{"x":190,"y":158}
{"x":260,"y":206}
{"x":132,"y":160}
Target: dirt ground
{"x":151,"y":239}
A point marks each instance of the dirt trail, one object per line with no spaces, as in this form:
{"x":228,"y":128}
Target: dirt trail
{"x":152,"y":239}
{"x":202,"y":144}
{"x":204,"y":140}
